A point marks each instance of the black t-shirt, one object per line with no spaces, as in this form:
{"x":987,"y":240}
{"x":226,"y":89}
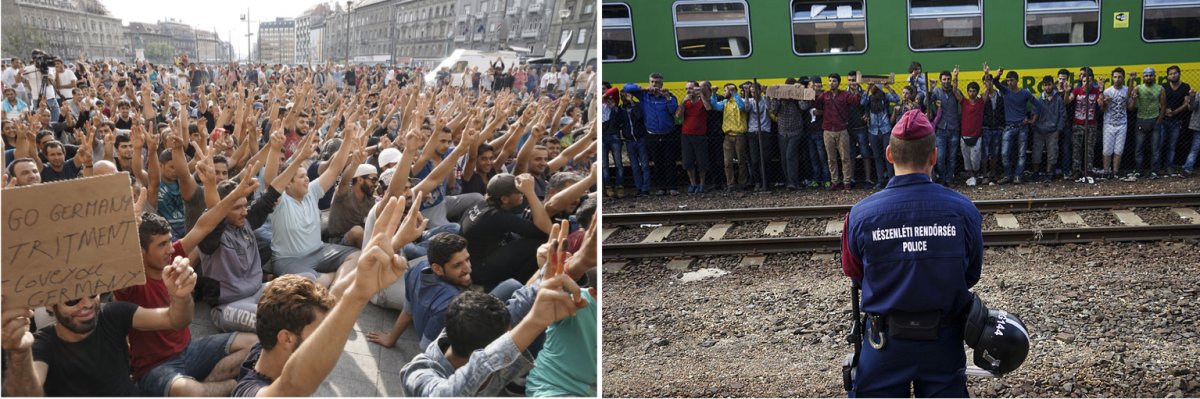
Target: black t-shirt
{"x":1175,"y":99}
{"x":485,"y":227}
{"x":477,"y":183}
{"x":96,"y":366}
{"x":69,"y":171}
{"x":249,"y":381}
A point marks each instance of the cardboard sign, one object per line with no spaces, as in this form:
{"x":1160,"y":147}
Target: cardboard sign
{"x":69,"y":240}
{"x":794,"y":92}
{"x":876,"y":79}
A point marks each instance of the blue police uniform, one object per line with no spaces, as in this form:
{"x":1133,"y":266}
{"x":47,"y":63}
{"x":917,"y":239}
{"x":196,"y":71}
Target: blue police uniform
{"x":916,"y":247}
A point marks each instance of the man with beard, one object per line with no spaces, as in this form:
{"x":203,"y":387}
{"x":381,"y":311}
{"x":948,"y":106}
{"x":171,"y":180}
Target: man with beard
{"x":504,"y":244}
{"x":85,"y":352}
{"x":58,"y":167}
{"x":351,"y":203}
{"x":439,"y":207}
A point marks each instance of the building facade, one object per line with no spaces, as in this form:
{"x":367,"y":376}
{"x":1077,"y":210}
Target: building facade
{"x":574,"y":23}
{"x":65,"y":28}
{"x":490,"y":25}
{"x":277,"y":41}
{"x":371,"y":31}
{"x":424,"y":31}
{"x":307,"y":44}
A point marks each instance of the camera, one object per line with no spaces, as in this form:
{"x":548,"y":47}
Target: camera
{"x":42,"y":61}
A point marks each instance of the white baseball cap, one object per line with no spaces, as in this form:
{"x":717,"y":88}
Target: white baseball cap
{"x":388,"y":156}
{"x":365,"y":169}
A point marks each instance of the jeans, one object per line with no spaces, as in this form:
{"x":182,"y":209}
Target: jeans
{"x":195,"y":362}
{"x":1147,"y":130}
{"x":760,"y":144}
{"x":664,"y":151}
{"x":789,"y":155}
{"x":947,"y":153}
{"x":1195,"y":151}
{"x":612,"y":148}
{"x":1014,"y":135}
{"x":991,"y":143}
{"x":636,"y":150}
{"x":817,"y":158}
{"x":1047,"y":141}
{"x":883,"y":169}
{"x":1170,"y":133}
{"x":420,"y":247}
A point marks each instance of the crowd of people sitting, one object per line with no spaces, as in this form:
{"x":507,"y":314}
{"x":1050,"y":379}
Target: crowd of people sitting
{"x":1003,"y":129}
{"x":287,"y":198}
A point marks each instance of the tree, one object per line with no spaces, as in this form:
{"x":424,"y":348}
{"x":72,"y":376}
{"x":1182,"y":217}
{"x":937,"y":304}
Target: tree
{"x":159,"y":53}
{"x":21,"y":39}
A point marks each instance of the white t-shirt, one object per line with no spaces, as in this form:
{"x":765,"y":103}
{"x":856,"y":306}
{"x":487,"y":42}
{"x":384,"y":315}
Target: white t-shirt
{"x":36,"y":88}
{"x":1117,"y":101}
{"x":10,"y":77}
{"x":67,"y":79}
{"x":549,"y":78}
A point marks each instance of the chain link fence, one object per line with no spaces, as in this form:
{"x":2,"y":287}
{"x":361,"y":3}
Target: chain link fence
{"x":1147,"y":149}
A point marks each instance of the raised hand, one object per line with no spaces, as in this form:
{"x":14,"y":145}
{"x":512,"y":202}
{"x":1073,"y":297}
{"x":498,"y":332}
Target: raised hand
{"x":525,"y":184}
{"x":179,"y":278}
{"x":379,"y":265}
{"x":414,"y":223}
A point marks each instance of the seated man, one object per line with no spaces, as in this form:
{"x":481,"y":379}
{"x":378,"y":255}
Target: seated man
{"x":481,"y":350}
{"x":303,"y":329}
{"x":431,"y":284}
{"x":171,"y":363}
{"x":296,"y":222}
{"x":489,"y":227}
{"x":439,"y":207}
{"x":352,"y":200}
{"x":85,"y":352}
{"x":229,"y":254}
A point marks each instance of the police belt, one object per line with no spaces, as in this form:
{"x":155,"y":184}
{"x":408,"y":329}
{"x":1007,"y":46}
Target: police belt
{"x":922,"y":326}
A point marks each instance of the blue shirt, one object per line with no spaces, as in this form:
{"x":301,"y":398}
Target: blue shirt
{"x":1014,"y":104}
{"x":427,"y":298}
{"x":170,"y":206}
{"x":916,"y":246}
{"x":659,"y":111}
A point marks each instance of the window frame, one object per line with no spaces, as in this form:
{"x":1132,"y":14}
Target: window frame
{"x":1099,"y":26}
{"x":632,"y":34}
{"x":1142,"y":34}
{"x":675,"y":29}
{"x":908,"y":17}
{"x":792,"y":27}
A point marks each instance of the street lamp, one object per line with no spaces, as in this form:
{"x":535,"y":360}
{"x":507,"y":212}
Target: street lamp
{"x":348,"y":14}
{"x":246,"y":17}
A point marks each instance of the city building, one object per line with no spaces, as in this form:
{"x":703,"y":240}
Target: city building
{"x":425,"y":31}
{"x":66,"y":28}
{"x":573,"y":23}
{"x":371,"y":23}
{"x":334,"y":44}
{"x":308,"y":34}
{"x":277,"y":41}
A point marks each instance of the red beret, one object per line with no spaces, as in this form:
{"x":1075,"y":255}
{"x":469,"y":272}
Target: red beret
{"x":613,"y":92}
{"x":913,"y":125}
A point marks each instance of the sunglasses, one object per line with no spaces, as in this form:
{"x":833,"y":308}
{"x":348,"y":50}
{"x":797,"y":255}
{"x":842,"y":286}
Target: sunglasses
{"x":74,"y":302}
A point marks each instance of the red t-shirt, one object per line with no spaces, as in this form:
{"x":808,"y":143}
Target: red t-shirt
{"x":972,"y":117}
{"x":148,"y":349}
{"x":695,"y":118}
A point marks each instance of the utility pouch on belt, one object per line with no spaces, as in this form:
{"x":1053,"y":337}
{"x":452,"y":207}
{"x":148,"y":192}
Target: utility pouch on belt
{"x":913,"y":326}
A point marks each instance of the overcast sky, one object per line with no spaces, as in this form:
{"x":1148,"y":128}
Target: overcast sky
{"x":223,"y":16}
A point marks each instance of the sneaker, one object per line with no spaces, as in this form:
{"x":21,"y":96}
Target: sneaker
{"x":1187,"y":174}
{"x":1129,"y":178}
{"x":1005,"y":180}
{"x":971,"y":181}
{"x":691,"y":189}
{"x":700,"y":189}
{"x":673,"y":192}
{"x":659,"y":192}
{"x":846,"y":187}
{"x":1017,"y":180}
{"x":826,"y":184}
{"x":813,"y":184}
{"x":833,"y":187}
{"x":1153,"y":175}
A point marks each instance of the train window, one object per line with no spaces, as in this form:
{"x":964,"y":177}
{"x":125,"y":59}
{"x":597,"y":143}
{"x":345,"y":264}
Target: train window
{"x":1061,"y":23}
{"x":1170,"y":20}
{"x":945,"y":24}
{"x":617,"y":43}
{"x":708,"y":29}
{"x":828,"y":27}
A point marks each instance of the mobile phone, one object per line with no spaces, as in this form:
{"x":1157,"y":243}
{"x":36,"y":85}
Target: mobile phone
{"x":559,"y":135}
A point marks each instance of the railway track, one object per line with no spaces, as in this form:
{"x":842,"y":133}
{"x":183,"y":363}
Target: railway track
{"x":1009,"y":233}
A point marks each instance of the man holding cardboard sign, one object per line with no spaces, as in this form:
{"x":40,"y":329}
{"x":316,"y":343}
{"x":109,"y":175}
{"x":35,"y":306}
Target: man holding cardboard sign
{"x":85,"y":353}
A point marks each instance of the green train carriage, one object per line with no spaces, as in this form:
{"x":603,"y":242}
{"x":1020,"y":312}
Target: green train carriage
{"x":739,"y":40}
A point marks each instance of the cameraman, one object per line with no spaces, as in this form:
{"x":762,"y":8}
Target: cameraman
{"x":38,"y":74}
{"x":65,"y":82}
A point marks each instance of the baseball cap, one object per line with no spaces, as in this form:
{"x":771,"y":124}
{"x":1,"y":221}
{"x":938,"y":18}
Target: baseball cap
{"x":613,"y":92}
{"x":913,"y":125}
{"x":1148,"y":71}
{"x":365,"y":169}
{"x":388,"y":156}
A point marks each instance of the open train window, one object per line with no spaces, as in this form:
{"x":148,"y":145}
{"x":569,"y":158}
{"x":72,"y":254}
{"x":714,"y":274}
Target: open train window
{"x":829,"y":27}
{"x":1062,"y":22}
{"x":712,"y":29}
{"x":1170,"y":20}
{"x":617,"y":43}
{"x":945,"y":25}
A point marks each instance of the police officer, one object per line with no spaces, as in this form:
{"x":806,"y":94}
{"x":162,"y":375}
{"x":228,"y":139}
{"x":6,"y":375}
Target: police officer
{"x":916,"y":248}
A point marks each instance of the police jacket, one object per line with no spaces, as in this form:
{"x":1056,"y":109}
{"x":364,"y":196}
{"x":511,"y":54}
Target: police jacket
{"x":916,"y":247}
